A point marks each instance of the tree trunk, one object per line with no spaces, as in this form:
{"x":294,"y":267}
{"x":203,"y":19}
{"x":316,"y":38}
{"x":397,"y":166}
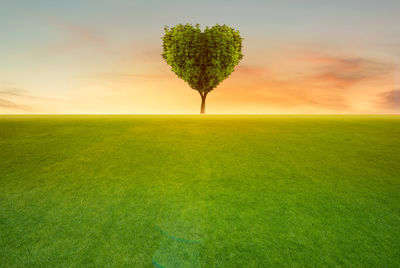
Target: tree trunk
{"x":203,"y":103}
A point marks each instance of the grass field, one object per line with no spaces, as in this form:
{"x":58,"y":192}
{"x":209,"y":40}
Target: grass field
{"x":209,"y":191}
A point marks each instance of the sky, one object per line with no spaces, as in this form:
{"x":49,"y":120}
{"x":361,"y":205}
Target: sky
{"x":104,"y":57}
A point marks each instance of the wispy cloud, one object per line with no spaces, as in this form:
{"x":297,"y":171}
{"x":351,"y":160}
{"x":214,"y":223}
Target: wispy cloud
{"x":389,"y":100}
{"x":127,"y":75}
{"x":14,"y":105}
{"x":258,"y":85}
{"x":343,"y":72}
{"x":390,"y":45}
{"x":325,"y":82}
{"x":18,"y":92}
{"x":251,"y":70}
{"x":19,"y":100}
{"x":75,"y":37}
{"x":9,"y":105}
{"x":11,"y":91}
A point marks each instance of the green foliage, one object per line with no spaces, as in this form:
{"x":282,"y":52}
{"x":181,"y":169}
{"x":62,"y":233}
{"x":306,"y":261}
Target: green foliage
{"x":202,"y":59}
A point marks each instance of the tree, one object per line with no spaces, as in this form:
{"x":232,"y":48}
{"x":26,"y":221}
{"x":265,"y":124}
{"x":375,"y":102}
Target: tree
{"x":202,"y":59}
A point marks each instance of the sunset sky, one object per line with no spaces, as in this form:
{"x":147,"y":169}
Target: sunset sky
{"x":300,"y":56}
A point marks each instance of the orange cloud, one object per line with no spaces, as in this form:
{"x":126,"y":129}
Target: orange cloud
{"x":128,"y":76}
{"x":9,"y":105}
{"x":313,"y":83}
{"x":325,"y":83}
{"x":389,"y":100}
{"x":343,"y":72}
{"x":138,"y":81}
{"x":257,"y":86}
{"x":19,"y":100}
{"x":251,"y":70}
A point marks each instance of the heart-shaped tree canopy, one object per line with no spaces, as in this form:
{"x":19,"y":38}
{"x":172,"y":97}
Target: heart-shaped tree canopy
{"x":202,"y":58}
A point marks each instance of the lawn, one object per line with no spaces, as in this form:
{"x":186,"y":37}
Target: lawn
{"x":191,"y":191}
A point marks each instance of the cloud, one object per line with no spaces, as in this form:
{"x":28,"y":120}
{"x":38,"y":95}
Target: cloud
{"x":250,"y":70}
{"x":14,"y":106}
{"x":14,"y":93}
{"x":18,"y":92}
{"x":11,"y":91}
{"x":127,"y":75}
{"x":19,"y":100}
{"x":389,"y":100}
{"x":75,"y":36}
{"x":390,"y":45}
{"x":344,"y":72}
{"x":260,"y":86}
{"x":325,"y":83}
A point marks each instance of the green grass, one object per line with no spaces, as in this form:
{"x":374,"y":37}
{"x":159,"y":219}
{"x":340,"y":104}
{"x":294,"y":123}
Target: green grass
{"x":210,"y":191}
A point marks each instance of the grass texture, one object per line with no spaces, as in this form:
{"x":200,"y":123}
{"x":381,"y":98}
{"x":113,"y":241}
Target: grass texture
{"x":199,"y":191}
